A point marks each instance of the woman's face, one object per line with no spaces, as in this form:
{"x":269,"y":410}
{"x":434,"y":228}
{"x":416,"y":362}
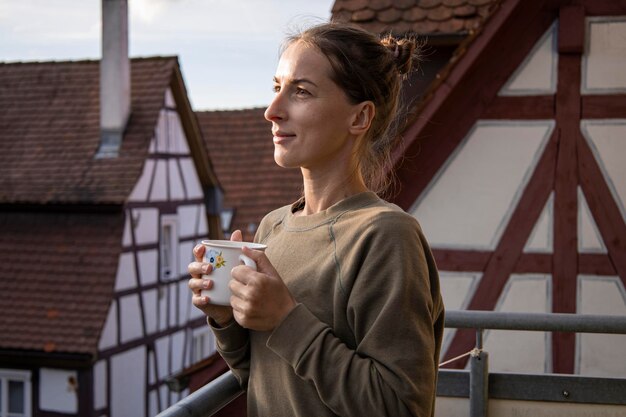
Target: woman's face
{"x":311,"y":115}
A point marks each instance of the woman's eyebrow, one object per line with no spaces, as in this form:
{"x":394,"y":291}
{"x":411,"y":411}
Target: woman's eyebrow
{"x":296,"y":81}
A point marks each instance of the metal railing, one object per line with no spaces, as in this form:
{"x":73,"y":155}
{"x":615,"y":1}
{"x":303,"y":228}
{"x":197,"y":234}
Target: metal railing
{"x":212,"y":397}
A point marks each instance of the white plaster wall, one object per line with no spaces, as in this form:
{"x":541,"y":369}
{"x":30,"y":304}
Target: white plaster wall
{"x":177,"y":138}
{"x":58,"y":390}
{"x":100,"y":385}
{"x":190,"y":176}
{"x":538,"y":72}
{"x":457,"y":289}
{"x":173,"y":305}
{"x":162,"y":350}
{"x":540,"y":239}
{"x":159,"y":191}
{"x":130,"y":312}
{"x":127,"y":240}
{"x":188,"y":219}
{"x":177,"y":191}
{"x":108,"y":338}
{"x":146,"y":222}
{"x":169,"y":99}
{"x":184,"y":302}
{"x":606,"y":139}
{"x":516,"y":351}
{"x":126,"y":277}
{"x":154,"y":403}
{"x":163,"y":305}
{"x":589,"y":238}
{"x":150,"y":304}
{"x":148,"y":264}
{"x":142,"y":188}
{"x":203,"y":228}
{"x":185,"y":250}
{"x":604,"y":59}
{"x":601,"y":354}
{"x":178,"y":351}
{"x":471,"y":199}
{"x":128,"y":383}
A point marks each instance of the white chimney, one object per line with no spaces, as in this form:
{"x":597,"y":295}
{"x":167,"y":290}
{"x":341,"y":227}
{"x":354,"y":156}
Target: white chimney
{"x":114,"y":77}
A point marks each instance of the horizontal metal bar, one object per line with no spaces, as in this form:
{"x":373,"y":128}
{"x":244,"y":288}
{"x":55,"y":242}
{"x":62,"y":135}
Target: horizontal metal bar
{"x":559,"y":322}
{"x":207,"y":400}
{"x":537,"y":387}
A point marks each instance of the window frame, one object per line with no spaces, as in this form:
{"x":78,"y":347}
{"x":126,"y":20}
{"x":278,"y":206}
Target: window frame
{"x":15,"y":375}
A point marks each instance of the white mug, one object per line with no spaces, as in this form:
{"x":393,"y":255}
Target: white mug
{"x":224,"y":255}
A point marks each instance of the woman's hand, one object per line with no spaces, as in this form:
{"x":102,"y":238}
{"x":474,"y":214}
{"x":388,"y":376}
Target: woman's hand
{"x":260,"y":299}
{"x":222,"y":315}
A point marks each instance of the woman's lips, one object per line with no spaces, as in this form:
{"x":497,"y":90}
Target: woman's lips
{"x":282,"y":137}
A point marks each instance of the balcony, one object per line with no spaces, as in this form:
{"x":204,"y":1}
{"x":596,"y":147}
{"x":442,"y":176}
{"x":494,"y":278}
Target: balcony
{"x":475,"y":392}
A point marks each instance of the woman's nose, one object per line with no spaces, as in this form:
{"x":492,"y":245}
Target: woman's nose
{"x":275,"y":111}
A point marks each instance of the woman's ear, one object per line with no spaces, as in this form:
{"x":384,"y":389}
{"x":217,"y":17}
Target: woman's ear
{"x":363,"y":116}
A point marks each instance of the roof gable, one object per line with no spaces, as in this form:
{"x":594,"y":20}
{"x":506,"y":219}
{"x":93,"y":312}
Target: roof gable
{"x":49,"y":131}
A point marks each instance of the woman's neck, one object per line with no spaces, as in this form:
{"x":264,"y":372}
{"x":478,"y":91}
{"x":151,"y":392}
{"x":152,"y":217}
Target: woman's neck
{"x":322,"y":191}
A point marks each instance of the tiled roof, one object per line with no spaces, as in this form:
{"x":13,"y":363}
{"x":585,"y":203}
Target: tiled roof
{"x":241,"y":149}
{"x":56,"y":280}
{"x":49,"y":131}
{"x":59,"y":257}
{"x":424,"y":17}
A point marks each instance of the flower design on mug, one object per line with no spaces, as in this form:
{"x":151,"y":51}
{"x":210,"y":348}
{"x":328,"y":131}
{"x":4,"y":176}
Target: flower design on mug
{"x":215,"y":258}
{"x":220,"y":261}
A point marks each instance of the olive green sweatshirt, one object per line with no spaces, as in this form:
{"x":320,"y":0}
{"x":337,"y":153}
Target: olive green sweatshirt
{"x":364,"y":339}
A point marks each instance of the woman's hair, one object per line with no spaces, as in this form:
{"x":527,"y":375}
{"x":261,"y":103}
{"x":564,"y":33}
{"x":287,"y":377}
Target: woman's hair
{"x":367,"y":67}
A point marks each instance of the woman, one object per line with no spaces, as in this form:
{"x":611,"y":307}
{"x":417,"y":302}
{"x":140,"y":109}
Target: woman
{"x":344,"y":316}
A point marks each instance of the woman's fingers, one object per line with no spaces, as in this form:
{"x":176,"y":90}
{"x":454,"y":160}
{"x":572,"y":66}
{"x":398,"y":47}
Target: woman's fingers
{"x":236,"y":236}
{"x":198,"y":252}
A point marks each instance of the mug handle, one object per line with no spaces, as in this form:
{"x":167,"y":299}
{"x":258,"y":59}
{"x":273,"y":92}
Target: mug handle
{"x":247,"y":261}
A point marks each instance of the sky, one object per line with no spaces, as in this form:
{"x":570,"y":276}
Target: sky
{"x":227,"y":49}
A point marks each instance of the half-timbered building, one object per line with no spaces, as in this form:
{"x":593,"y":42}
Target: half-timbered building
{"x":513,"y":162}
{"x":105,"y":187}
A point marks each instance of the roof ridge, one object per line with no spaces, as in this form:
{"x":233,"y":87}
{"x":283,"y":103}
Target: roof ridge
{"x":89,"y":60}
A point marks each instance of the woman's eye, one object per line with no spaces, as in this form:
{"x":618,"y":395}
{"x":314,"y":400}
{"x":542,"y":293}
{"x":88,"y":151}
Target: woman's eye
{"x":301,"y":92}
{"x":276,"y":88}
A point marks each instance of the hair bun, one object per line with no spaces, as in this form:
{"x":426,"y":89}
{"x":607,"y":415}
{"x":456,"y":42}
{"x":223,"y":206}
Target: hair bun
{"x":404,"y":52}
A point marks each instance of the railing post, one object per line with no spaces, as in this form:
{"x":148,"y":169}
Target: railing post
{"x":479,"y":379}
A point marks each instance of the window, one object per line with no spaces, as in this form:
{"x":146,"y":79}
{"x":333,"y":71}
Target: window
{"x":14,"y":393}
{"x":169,"y":247}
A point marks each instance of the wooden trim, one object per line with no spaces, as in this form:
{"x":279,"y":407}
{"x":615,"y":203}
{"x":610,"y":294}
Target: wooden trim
{"x":568,"y":105}
{"x":595,"y":264}
{"x":571,"y":29}
{"x":529,"y":263}
{"x":521,"y":108}
{"x":508,"y":252}
{"x":610,"y":106}
{"x":461,"y":260}
{"x":534,"y":263}
{"x":603,"y":7}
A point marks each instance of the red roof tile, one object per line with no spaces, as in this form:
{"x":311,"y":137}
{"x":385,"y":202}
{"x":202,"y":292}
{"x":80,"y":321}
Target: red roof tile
{"x":57,"y":277}
{"x":49,"y":131}
{"x":424,"y":17}
{"x":59,"y":265}
{"x":241,"y":149}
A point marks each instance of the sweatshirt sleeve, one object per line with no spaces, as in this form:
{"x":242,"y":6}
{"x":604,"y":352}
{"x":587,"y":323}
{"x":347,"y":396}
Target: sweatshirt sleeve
{"x":395,"y":313}
{"x":233,"y":344}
